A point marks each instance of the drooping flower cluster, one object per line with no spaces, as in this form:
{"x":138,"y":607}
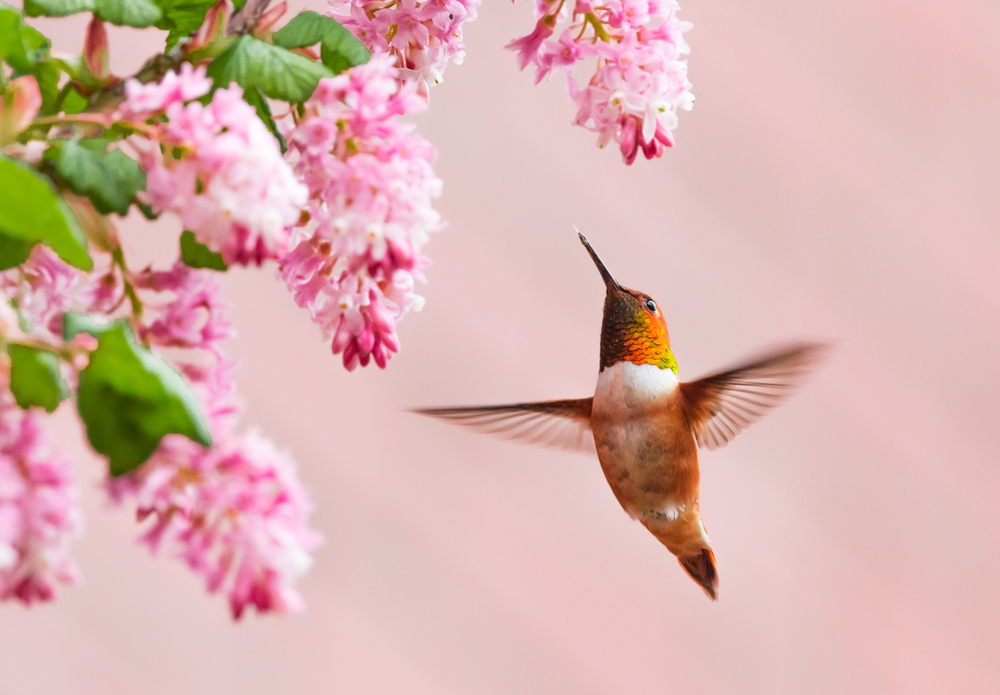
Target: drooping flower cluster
{"x":371,"y":184}
{"x":423,"y":36}
{"x":216,"y":166}
{"x":641,"y":76}
{"x":39,"y":509}
{"x":44,"y":288}
{"x":235,"y":513}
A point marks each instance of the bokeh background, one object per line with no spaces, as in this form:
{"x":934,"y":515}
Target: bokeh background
{"x":838,"y":178}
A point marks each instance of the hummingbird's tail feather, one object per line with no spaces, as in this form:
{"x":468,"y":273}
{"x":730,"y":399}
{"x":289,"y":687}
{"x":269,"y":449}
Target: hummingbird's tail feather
{"x":701,"y":568}
{"x":683,"y":533}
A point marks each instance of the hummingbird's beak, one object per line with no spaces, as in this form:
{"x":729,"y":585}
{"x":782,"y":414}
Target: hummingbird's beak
{"x":608,"y":280}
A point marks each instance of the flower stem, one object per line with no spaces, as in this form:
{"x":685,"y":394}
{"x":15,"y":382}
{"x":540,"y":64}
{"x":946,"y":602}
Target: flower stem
{"x":598,"y":26}
{"x":133,"y":298}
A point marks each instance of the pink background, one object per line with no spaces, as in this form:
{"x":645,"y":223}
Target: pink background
{"x":838,"y":178}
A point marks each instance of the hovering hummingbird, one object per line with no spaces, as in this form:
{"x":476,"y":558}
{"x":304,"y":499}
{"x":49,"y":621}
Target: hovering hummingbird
{"x":646,"y":425}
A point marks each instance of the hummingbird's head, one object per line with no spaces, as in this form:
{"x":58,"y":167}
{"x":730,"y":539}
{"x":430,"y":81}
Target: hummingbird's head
{"x":634,"y":329}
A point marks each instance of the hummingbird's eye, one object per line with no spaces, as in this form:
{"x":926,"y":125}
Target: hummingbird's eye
{"x":651,"y":305}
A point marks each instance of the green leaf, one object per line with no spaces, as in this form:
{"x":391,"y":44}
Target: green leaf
{"x":147,"y":211}
{"x":196,"y":255}
{"x":124,"y":13}
{"x":238,"y":4}
{"x":13,"y":252}
{"x":35,"y":378}
{"x":74,"y":66}
{"x":126,"y":171}
{"x":305,"y":29}
{"x":20,"y":45}
{"x":74,"y":102}
{"x":57,"y":8}
{"x":339,"y":49}
{"x":253,"y":97}
{"x":128,"y":399}
{"x":109,"y":180}
{"x":74,"y":324}
{"x":35,"y":42}
{"x":276,"y":72}
{"x":128,"y":13}
{"x":47,"y":74}
{"x":11,"y":40}
{"x":32,"y":211}
{"x":181,"y":18}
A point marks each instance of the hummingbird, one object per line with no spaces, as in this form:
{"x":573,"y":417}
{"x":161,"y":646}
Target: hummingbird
{"x":645,"y":425}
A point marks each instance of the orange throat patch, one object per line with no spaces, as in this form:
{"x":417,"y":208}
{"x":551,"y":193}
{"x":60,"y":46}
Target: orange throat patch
{"x":636,"y":337}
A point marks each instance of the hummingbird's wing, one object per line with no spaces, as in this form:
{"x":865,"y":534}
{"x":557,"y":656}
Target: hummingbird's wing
{"x":563,"y":424}
{"x":720,"y":406}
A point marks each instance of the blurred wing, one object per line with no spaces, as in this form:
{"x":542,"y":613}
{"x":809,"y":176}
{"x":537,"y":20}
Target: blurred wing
{"x":562,"y":424}
{"x":722,"y":405}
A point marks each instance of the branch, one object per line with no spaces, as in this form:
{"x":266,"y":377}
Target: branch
{"x":245,"y":20}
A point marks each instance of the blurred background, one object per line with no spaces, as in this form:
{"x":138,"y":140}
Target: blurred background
{"x":837,"y":179}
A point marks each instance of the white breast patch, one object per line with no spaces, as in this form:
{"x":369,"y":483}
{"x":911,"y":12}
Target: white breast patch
{"x":634,"y":384}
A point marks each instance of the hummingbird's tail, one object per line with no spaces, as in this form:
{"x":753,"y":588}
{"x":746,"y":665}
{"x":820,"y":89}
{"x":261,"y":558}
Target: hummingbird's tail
{"x":685,"y":536}
{"x":701,"y":568}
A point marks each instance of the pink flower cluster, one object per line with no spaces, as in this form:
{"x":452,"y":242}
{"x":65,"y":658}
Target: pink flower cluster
{"x":39,"y":509}
{"x":424,"y":36}
{"x":216,"y":166}
{"x":640,"y":79}
{"x":236,"y":513}
{"x":371,"y":184}
{"x":44,"y":288}
{"x":174,"y":88}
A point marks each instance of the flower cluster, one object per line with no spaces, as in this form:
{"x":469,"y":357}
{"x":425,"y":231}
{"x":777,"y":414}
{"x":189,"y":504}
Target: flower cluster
{"x":216,"y":166}
{"x":39,"y":509}
{"x":424,"y":36}
{"x":370,"y":190}
{"x":640,"y":80}
{"x":44,"y":288}
{"x":235,"y":513}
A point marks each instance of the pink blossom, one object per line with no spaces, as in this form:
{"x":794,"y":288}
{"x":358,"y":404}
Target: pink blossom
{"x":423,"y":36}
{"x":194,"y":317}
{"x":528,"y":47}
{"x":174,"y":88}
{"x":44,"y":288}
{"x":371,"y":184}
{"x":556,"y":55}
{"x":39,"y":510}
{"x":640,"y":78}
{"x":236,"y":514}
{"x":220,"y":170}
